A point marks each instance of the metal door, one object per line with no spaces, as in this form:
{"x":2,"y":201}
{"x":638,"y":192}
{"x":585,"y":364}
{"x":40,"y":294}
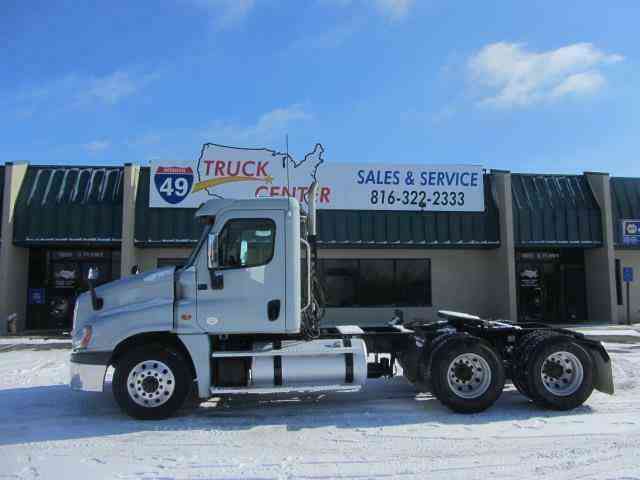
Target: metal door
{"x":247,"y":292}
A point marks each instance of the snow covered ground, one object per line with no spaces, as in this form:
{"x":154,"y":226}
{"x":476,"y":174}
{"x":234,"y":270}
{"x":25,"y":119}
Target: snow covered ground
{"x":385,"y":431}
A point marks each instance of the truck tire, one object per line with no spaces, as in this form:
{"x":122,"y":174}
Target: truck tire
{"x":151,"y":383}
{"x":524,"y":349}
{"x":467,"y":375}
{"x":559,"y":373}
{"x":427,"y":360}
{"x":521,"y":387}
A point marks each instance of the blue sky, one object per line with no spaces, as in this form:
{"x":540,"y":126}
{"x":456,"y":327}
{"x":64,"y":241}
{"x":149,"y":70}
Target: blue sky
{"x":523,"y":86}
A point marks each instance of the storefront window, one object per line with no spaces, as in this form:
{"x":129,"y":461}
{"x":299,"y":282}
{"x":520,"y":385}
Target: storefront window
{"x":376,"y":282}
{"x":414,"y":282}
{"x":376,"y":287}
{"x":340,"y":281}
{"x":57,"y":276}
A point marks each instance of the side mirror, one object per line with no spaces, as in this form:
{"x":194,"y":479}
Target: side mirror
{"x":212,"y":251}
{"x":217,"y":280}
{"x":135,"y":270}
{"x":92,"y":276}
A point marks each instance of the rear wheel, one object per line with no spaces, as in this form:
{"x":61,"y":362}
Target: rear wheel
{"x":560,"y":374}
{"x":526,"y":346}
{"x":466,"y":374}
{"x":151,"y":382}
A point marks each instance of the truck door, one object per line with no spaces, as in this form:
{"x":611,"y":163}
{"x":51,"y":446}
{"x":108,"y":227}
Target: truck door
{"x":246,"y":293}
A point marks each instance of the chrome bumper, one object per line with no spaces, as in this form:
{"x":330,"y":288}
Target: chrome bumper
{"x":85,"y":377}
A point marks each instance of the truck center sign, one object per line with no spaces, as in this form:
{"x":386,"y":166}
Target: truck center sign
{"x":231,"y":172}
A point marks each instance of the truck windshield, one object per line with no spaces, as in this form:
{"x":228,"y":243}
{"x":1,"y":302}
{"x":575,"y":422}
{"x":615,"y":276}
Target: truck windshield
{"x":203,"y":237}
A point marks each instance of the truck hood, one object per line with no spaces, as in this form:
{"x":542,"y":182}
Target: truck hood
{"x":134,"y":292}
{"x":137,"y":288}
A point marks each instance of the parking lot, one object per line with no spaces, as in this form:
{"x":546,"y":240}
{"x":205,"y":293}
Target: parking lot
{"x":385,"y":431}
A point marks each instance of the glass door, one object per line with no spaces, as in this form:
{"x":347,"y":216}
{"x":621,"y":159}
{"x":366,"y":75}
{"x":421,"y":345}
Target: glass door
{"x":574,"y":293}
{"x":530,"y":292}
{"x":551,"y":286}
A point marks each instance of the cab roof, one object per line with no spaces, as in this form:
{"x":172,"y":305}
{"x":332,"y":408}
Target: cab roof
{"x":214,"y":206}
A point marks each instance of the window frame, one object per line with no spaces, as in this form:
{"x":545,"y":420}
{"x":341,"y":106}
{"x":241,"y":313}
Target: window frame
{"x":177,"y":262}
{"x":271,"y":223}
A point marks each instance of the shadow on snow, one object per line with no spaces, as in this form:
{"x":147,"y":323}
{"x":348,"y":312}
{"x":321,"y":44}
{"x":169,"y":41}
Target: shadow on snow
{"x":50,"y":413}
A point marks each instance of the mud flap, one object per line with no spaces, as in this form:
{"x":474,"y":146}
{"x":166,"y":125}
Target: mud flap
{"x":603,"y":374}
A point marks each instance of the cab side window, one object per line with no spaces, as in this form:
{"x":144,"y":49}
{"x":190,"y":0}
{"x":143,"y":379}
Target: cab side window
{"x":246,"y":243}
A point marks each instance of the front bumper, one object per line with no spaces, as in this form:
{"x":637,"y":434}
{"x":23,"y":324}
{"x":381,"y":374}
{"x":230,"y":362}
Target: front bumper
{"x":87,"y":371}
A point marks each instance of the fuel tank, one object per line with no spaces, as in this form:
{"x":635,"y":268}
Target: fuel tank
{"x":325,"y":362}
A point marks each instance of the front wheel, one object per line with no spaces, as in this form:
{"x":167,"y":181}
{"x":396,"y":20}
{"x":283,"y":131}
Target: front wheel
{"x":466,"y":375}
{"x":151,"y":382}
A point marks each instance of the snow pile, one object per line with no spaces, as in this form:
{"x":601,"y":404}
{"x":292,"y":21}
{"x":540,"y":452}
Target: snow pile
{"x":385,"y":431}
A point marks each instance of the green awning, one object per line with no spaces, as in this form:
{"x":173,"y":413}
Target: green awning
{"x":69,"y":204}
{"x":625,"y":202}
{"x":338,"y":228}
{"x":366,"y":229}
{"x":555,"y":211}
{"x":162,"y":226}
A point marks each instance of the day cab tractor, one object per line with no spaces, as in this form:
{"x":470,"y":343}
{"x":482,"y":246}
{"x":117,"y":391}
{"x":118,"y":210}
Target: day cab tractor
{"x":242,"y":316}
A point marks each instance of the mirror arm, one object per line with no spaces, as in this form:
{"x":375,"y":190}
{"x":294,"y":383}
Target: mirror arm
{"x":307,"y":248}
{"x":96,"y":302}
{"x":217,"y":279}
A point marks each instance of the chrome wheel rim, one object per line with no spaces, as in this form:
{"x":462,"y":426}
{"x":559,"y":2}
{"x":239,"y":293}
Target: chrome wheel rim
{"x":151,"y":383}
{"x":562,"y":373}
{"x":469,"y":375}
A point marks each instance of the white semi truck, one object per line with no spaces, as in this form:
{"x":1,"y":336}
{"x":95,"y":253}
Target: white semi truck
{"x":243,"y":316}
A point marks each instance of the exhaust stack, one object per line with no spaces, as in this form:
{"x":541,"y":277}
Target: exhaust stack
{"x":311,"y":201}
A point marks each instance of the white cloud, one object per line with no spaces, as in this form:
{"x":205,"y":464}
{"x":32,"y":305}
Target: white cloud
{"x":112,"y":88}
{"x":518,"y":77}
{"x":268,"y":126}
{"x":226,"y":13}
{"x":394,"y":9}
{"x":77,"y":90}
{"x":279,"y":118}
{"x":97,"y":146}
{"x":332,"y":38}
{"x":579,"y":84}
{"x":150,"y":138}
{"x":327,"y":38}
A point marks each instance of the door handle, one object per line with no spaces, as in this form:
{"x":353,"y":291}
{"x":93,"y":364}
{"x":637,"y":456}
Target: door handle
{"x":273,"y":310}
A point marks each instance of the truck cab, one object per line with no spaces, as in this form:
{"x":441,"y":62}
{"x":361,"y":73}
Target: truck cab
{"x":240,"y":289}
{"x":244,"y":276}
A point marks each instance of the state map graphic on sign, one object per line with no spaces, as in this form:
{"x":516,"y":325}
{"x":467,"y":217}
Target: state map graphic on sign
{"x":220,"y":170}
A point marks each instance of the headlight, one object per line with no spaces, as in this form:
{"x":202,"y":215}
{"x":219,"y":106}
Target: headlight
{"x":86,"y":336}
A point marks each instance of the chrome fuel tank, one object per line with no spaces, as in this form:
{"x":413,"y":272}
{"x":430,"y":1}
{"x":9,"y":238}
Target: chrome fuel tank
{"x":326,"y":362}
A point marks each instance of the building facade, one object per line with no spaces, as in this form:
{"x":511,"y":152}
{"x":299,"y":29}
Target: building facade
{"x":547,"y":248}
